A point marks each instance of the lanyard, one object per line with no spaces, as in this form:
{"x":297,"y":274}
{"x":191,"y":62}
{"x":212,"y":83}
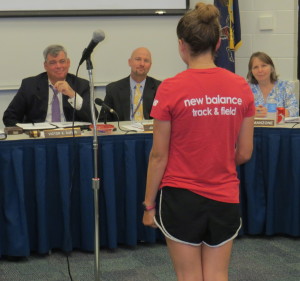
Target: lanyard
{"x":137,"y":107}
{"x":140,"y":101}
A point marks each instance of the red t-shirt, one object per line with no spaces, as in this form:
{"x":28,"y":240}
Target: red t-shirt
{"x":206,"y":108}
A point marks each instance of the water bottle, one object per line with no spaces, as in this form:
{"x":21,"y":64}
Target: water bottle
{"x":272,"y":108}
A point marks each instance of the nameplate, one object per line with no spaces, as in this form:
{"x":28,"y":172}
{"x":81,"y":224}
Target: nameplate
{"x":264,"y":122}
{"x":13,"y":130}
{"x":148,"y":127}
{"x":62,"y":133}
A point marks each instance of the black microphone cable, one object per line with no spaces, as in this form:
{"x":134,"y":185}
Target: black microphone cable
{"x":73,"y":162}
{"x":100,"y":102}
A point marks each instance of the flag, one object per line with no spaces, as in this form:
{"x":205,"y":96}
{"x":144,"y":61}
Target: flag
{"x":230,"y":33}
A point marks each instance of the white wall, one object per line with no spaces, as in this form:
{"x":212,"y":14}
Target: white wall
{"x":280,"y":42}
{"x":193,"y":2}
{"x":23,"y":41}
{"x":26,"y":38}
{"x":270,"y":26}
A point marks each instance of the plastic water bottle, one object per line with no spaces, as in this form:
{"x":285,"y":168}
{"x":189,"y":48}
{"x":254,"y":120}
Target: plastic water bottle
{"x":272,"y":107}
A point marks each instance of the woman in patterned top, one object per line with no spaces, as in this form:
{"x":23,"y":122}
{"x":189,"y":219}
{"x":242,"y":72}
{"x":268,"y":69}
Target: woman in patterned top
{"x":264,"y":83}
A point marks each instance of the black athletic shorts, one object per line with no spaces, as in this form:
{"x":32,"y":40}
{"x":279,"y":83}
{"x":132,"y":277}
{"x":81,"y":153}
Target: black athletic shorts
{"x":189,"y":218}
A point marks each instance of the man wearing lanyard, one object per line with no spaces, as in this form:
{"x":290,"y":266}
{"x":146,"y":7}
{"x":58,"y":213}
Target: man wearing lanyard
{"x":132,"y":97}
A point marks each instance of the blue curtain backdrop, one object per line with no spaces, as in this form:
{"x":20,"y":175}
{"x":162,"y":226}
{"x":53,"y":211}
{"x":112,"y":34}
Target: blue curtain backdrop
{"x":230,"y":33}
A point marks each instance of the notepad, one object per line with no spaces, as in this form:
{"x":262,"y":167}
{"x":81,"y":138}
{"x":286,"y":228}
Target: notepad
{"x":36,"y":126}
{"x":70,"y":124}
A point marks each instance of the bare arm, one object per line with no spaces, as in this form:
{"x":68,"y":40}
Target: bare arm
{"x":158,"y":160}
{"x":244,"y":146}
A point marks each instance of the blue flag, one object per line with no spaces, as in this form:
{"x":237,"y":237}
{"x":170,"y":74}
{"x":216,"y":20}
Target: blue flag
{"x":230,"y":33}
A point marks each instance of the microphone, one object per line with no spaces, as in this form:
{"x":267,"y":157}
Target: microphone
{"x":98,"y":36}
{"x":101,"y":103}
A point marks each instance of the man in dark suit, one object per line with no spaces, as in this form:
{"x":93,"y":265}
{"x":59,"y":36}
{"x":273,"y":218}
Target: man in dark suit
{"x":33,"y":101}
{"x":120,"y":95}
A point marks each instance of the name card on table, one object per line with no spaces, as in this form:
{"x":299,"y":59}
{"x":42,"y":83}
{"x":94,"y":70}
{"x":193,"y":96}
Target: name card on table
{"x":13,"y":130}
{"x":62,"y":133}
{"x":263,"y":122}
{"x":148,"y":127}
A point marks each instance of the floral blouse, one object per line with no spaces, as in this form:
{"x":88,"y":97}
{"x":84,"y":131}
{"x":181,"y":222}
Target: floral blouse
{"x":284,"y":95}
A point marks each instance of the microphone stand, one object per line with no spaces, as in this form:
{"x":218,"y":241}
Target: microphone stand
{"x":95,"y":180}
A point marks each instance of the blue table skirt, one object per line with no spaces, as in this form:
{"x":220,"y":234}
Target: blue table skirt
{"x":46,"y":195}
{"x":270,"y":183}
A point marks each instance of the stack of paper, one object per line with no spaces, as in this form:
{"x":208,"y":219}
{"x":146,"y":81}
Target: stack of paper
{"x":70,"y":124}
{"x":36,"y":126}
{"x":52,"y":125}
{"x":292,"y":119}
{"x":134,"y":126}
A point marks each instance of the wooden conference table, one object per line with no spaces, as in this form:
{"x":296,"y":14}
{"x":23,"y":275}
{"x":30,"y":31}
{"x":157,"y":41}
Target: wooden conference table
{"x":46,"y":195}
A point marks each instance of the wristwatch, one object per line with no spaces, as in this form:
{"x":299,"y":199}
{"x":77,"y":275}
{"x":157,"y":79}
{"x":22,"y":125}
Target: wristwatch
{"x":148,"y":208}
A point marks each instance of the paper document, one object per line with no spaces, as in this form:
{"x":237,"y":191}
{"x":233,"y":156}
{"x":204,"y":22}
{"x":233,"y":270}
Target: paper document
{"x":292,"y":119}
{"x":70,"y":124}
{"x":135,"y":126}
{"x":36,"y":126}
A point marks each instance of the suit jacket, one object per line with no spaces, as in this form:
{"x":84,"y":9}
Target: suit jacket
{"x":118,"y":98}
{"x":30,"y":104}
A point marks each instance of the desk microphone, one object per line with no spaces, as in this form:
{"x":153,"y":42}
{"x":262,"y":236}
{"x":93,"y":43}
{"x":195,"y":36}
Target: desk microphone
{"x":98,"y":36}
{"x":101,"y":103}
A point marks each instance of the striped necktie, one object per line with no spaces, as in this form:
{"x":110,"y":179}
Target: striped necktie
{"x":137,"y":103}
{"x":55,"y":109}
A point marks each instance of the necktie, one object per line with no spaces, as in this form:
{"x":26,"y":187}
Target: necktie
{"x":137,"y":102}
{"x":55,"y":106}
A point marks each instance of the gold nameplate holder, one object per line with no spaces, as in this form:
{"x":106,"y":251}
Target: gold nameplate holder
{"x":264,"y":122}
{"x":62,"y":133}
